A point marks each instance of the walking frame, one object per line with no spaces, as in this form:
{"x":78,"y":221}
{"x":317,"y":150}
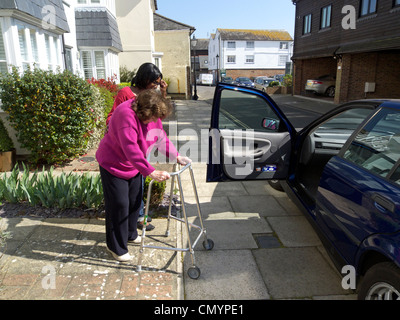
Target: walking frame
{"x":193,"y":271}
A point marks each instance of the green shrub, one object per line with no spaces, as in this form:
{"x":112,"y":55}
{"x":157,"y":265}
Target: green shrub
{"x":123,"y":85}
{"x":44,"y":188}
{"x":288,"y":80}
{"x":157,"y":191}
{"x":6,"y":143}
{"x":126,"y":75}
{"x":273,"y":84}
{"x":108,"y":91}
{"x":64,"y":191}
{"x":51,"y":113}
{"x":100,"y":112}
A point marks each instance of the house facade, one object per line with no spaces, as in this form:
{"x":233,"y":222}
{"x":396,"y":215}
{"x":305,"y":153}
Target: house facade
{"x":199,"y":54}
{"x":358,"y":41}
{"x":249,"y":53}
{"x":136,"y":26}
{"x":172,"y":42}
{"x":78,"y":35}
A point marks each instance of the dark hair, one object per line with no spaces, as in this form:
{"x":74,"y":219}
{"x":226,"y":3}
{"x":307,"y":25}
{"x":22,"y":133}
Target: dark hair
{"x":146,"y":74}
{"x":150,"y":103}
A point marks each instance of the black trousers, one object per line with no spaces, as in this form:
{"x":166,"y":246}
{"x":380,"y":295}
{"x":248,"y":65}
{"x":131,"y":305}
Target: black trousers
{"x":122,"y":200}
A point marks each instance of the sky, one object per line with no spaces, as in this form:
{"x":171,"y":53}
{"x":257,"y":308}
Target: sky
{"x":208,"y":15}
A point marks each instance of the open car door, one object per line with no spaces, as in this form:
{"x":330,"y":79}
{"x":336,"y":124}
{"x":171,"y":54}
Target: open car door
{"x":250,"y":138}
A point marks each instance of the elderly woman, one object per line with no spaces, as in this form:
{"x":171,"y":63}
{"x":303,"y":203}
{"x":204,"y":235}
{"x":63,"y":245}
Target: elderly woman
{"x":147,"y":77}
{"x":133,"y":130}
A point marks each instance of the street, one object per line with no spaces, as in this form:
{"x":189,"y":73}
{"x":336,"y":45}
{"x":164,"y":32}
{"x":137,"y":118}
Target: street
{"x":264,"y":247}
{"x":299,"y":110}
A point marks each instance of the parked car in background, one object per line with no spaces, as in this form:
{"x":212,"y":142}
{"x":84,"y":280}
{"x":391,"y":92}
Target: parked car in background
{"x":205,"y":79}
{"x":322,"y":85}
{"x":342,"y":171}
{"x":244,"y":82}
{"x":227,"y":79}
{"x":279,"y":77}
{"x":262,"y":83}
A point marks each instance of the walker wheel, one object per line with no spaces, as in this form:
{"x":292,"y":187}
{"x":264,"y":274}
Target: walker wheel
{"x":208,"y":244}
{"x":193,"y":272}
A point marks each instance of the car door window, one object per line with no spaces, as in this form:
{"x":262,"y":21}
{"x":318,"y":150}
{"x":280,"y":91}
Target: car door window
{"x":235,"y":112}
{"x":377,"y":146}
{"x":395,"y":177}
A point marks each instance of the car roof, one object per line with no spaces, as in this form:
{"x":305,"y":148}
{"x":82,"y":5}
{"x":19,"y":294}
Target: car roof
{"x":390,"y":103}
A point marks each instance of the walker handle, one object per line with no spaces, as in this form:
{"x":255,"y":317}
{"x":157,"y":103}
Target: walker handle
{"x":180,"y":171}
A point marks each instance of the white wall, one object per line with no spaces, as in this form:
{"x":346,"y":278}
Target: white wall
{"x":136,"y":27}
{"x":266,"y":54}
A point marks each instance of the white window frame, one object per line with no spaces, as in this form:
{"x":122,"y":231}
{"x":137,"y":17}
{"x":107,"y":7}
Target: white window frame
{"x":366,"y":7}
{"x":283,"y":45}
{"x":48,"y":48}
{"x":281,"y":58}
{"x":326,"y":17}
{"x":232,"y":58}
{"x":231,"y":45}
{"x":250,"y":45}
{"x":3,"y":60}
{"x":93,"y":69}
{"x":249,"y":59}
{"x":307,"y":19}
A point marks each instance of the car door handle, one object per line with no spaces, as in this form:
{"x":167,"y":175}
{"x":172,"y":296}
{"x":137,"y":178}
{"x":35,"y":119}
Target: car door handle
{"x":381,"y":202}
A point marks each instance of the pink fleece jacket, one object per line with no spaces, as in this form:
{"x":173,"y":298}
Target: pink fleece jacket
{"x":124,"y":148}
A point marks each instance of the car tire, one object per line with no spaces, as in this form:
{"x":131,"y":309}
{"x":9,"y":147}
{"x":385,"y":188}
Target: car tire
{"x":275,"y":184}
{"x":330,"y":92}
{"x":381,"y":282}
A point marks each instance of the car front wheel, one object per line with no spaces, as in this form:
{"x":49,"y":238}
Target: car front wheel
{"x":275,"y":184}
{"x":381,"y":282}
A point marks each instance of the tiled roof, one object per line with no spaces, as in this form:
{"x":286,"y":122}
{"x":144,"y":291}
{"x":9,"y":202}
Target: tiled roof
{"x":202,"y":44}
{"x":34,"y":9}
{"x":163,"y":23}
{"x":247,"y":34}
{"x":97,"y":28}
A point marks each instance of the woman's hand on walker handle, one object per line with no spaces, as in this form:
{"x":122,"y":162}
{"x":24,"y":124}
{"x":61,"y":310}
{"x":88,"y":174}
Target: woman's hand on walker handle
{"x":159,"y":175}
{"x":183,"y":160}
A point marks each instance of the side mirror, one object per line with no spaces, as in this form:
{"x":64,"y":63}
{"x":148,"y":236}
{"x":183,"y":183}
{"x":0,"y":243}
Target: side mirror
{"x":270,"y":124}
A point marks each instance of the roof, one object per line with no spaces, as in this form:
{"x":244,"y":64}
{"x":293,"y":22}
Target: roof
{"x":34,"y":8}
{"x":162,"y":23}
{"x":259,"y":35}
{"x":97,"y":28}
{"x":202,"y":44}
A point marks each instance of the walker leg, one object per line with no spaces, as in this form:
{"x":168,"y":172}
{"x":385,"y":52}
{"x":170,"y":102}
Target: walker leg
{"x":146,"y":214}
{"x":170,"y":202}
{"x":186,"y":222}
{"x":198,"y":204}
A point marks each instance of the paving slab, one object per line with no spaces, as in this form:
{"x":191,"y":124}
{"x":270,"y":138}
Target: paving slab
{"x":225,"y":275}
{"x":297,"y":273}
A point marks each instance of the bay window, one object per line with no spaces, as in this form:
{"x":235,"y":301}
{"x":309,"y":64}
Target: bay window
{"x":94,"y":64}
{"x":3,"y":58}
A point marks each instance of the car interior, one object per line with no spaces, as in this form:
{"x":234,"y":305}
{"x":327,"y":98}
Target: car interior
{"x":324,"y":142}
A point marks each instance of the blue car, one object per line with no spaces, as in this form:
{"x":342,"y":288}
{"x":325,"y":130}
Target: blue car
{"x":342,"y":171}
{"x":244,"y":81}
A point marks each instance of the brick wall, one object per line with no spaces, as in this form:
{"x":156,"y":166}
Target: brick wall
{"x":311,"y":69}
{"x":352,"y":72}
{"x":382,"y":68}
{"x":252,"y":73}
